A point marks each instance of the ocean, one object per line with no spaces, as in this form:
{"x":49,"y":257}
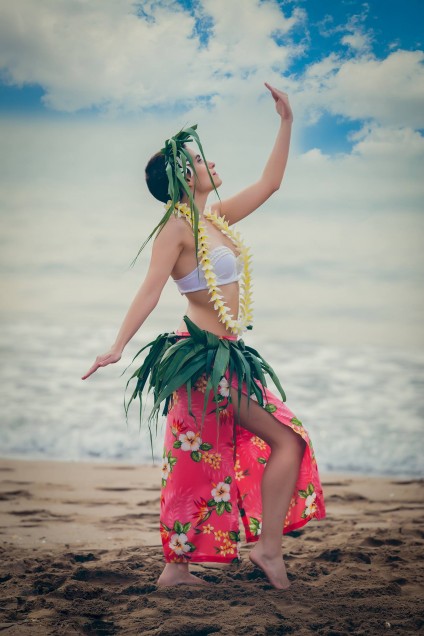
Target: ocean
{"x":363,"y":406}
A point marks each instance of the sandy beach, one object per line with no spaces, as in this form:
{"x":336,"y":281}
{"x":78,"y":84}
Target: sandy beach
{"x":81,"y":553}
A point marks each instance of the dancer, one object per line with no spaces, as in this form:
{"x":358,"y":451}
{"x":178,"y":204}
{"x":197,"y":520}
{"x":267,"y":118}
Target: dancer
{"x":232,"y":447}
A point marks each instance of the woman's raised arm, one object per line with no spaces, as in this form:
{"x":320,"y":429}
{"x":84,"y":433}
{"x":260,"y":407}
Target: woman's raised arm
{"x":243,"y":203}
{"x":166,"y":249}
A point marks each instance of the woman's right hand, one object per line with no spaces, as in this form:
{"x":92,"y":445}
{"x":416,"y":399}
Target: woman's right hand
{"x":282,"y":105}
{"x":113,"y":355}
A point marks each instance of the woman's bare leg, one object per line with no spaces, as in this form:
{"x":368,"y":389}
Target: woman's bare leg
{"x":278,"y":482}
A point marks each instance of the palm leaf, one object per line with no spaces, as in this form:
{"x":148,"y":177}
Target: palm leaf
{"x":239,"y":372}
{"x":180,"y":379}
{"x":161,"y":223}
{"x":198,"y":335}
{"x":174,"y":151}
{"x":221,"y":361}
{"x":274,"y":378}
{"x":258,"y":373}
{"x":246,"y":369}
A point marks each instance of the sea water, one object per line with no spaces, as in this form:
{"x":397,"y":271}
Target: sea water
{"x":363,"y":406}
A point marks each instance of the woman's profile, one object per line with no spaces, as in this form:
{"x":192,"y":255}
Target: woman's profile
{"x":232,"y":447}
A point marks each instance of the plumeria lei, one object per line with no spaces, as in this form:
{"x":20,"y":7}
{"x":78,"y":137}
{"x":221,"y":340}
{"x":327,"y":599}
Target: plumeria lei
{"x":245,"y":315}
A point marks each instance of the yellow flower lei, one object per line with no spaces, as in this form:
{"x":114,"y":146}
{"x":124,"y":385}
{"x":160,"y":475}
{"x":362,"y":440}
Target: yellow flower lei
{"x":245,"y":314}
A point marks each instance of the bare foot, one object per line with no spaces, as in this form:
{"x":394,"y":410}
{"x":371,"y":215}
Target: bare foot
{"x":178,"y":576}
{"x":273,"y":567}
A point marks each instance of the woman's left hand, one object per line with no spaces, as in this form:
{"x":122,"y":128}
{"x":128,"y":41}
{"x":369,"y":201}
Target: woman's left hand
{"x":282,"y":105}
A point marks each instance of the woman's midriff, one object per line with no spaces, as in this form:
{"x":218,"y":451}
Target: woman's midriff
{"x":201,"y":310}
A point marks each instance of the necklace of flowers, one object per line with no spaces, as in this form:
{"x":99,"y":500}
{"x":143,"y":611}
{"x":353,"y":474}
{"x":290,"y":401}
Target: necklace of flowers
{"x":245,"y":314}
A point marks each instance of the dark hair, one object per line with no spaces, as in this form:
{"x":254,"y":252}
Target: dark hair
{"x":157,"y":179}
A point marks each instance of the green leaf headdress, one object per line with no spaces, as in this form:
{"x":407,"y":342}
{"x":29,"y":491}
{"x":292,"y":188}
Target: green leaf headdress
{"x":176,"y":158}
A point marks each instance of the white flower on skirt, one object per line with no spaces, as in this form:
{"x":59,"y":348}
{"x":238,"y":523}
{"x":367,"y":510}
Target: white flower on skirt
{"x":221,"y":492}
{"x":190,"y":441}
{"x":224,"y":387}
{"x":260,"y":527}
{"x":166,"y":468}
{"x":178,"y":543}
{"x":310,"y":503}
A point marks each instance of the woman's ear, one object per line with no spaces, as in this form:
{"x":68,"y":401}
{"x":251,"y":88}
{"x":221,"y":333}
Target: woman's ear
{"x":189,"y":177}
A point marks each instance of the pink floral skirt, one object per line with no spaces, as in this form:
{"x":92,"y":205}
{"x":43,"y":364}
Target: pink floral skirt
{"x":212,"y":473}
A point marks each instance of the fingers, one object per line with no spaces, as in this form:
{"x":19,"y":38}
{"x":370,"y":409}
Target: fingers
{"x":275,"y":92}
{"x":90,"y":371}
{"x":269,"y":87}
{"x":99,"y":362}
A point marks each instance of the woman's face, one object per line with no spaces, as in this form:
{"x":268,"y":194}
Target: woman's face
{"x":201,"y":179}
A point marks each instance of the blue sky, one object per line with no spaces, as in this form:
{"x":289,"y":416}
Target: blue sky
{"x":385,"y":27}
{"x":88,"y":91}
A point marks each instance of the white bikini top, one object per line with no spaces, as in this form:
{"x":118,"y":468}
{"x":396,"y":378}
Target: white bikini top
{"x":227,"y":267}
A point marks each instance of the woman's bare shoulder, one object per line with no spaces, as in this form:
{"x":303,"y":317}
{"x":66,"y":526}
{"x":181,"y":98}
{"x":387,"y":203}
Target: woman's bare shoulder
{"x":177,"y":228}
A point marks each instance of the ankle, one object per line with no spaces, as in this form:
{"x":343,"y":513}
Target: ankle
{"x":177,"y":567}
{"x":269,"y":551}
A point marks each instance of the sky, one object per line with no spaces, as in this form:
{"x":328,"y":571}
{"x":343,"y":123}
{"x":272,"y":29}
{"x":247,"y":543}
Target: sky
{"x":89,"y":90}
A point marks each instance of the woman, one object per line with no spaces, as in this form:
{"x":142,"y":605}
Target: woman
{"x":231,"y":445}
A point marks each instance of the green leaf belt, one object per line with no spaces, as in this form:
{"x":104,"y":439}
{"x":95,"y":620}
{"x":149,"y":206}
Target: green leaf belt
{"x":174,"y":360}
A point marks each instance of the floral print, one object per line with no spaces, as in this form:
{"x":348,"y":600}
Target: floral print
{"x":255,"y":526}
{"x":188,"y":440}
{"x":210,"y":481}
{"x":310,"y":496}
{"x":224,"y":387}
{"x":228,"y":543}
{"x":173,"y":401}
{"x":239,"y":472}
{"x":214,"y":459}
{"x":167,"y":466}
{"x":221,"y":496}
{"x":200,"y":384}
{"x":178,"y":541}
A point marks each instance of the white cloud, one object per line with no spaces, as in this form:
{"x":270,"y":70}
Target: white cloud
{"x":100,"y":53}
{"x":357,"y":41}
{"x":390,"y":91}
{"x":76,"y":187}
{"x":76,"y":211}
{"x":355,"y":35}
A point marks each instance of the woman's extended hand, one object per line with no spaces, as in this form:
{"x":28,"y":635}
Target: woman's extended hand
{"x":282,"y":105}
{"x":113,"y":355}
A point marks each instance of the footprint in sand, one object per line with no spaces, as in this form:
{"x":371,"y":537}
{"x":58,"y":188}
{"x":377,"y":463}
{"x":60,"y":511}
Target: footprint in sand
{"x":337,"y":555}
{"x":373,"y":542}
{"x":43,"y":515}
{"x":103,"y":574}
{"x":348,"y":496}
{"x":392,"y":558}
{"x":13,"y":494}
{"x":116,"y":467}
{"x":74,"y":591}
{"x":148,"y":502}
{"x":116,"y":489}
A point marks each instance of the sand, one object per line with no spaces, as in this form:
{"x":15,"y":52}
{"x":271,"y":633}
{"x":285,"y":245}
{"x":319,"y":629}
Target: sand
{"x":81,"y":554}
